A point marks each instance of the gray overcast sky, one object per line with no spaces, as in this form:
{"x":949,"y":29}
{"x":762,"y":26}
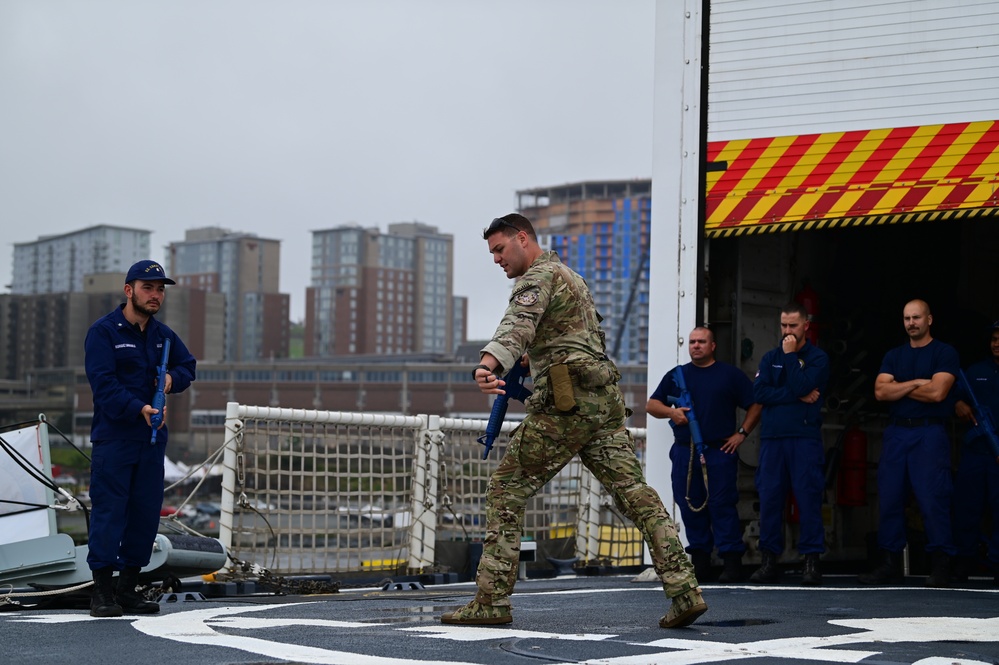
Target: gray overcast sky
{"x":283,"y":117}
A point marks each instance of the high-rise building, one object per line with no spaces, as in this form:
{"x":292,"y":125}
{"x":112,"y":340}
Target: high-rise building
{"x":246,"y":270}
{"x":57,"y":264}
{"x":380,"y":293}
{"x":600,"y":229}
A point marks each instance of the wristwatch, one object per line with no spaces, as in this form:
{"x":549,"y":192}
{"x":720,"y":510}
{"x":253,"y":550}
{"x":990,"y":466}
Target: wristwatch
{"x":742,"y":431}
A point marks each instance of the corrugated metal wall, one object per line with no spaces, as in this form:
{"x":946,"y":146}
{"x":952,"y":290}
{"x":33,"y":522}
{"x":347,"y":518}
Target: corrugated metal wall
{"x":800,"y":66}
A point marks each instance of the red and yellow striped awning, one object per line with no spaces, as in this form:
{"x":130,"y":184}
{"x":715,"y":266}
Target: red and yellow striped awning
{"x":881,"y":176}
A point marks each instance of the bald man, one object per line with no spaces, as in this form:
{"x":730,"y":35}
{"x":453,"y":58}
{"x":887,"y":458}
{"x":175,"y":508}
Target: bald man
{"x":916,"y":380}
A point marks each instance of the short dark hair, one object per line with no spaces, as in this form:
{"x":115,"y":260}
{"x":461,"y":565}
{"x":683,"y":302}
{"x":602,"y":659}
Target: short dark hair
{"x":509,"y":225}
{"x":711,"y":333}
{"x":795,"y":308}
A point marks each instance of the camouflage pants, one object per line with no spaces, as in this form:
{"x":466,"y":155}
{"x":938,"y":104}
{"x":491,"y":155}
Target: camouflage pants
{"x":542,"y":445}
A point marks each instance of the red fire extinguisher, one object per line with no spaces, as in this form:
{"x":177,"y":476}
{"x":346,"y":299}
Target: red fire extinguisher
{"x":851,"y":488}
{"x":809,"y":299}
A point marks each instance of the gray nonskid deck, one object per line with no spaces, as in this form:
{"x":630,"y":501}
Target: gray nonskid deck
{"x":567,"y":619}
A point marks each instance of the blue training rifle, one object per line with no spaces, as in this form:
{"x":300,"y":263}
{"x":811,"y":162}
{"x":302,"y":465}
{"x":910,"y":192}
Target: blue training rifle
{"x":514,"y":387}
{"x":986,"y":423}
{"x":159,"y":399}
{"x":696,"y":440}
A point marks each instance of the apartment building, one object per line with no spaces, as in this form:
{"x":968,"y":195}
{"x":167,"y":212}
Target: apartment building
{"x":57,"y":263}
{"x":381,"y":293}
{"x":245,"y":269}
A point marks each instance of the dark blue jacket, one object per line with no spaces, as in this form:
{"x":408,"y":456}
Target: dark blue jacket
{"x":121,"y":365}
{"x":781,"y":382}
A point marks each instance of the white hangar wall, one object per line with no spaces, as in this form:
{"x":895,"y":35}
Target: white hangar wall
{"x":795,"y":67}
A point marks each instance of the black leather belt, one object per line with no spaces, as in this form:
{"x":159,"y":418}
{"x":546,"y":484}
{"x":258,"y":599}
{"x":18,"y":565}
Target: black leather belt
{"x":917,"y":422}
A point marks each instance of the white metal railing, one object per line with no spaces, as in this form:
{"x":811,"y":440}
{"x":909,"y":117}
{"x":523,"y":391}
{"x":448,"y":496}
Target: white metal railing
{"x":308,"y":492}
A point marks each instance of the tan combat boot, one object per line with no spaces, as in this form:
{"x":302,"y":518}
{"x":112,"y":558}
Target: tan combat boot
{"x":477,"y":614}
{"x":685,"y":609}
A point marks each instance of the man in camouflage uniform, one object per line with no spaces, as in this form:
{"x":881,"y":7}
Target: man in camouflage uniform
{"x":576,"y":409}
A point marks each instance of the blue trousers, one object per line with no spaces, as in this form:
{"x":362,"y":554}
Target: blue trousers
{"x":915,"y":459}
{"x":126,"y":490}
{"x":795,"y":464}
{"x":975,"y":489}
{"x":719,"y":521}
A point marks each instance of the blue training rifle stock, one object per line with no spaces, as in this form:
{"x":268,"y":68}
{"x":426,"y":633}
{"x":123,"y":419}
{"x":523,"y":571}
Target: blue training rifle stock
{"x":159,"y":399}
{"x":514,"y":387}
{"x":685,"y":401}
{"x":986,"y":424}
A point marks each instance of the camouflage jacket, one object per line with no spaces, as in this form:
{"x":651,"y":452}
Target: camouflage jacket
{"x":552,"y":317}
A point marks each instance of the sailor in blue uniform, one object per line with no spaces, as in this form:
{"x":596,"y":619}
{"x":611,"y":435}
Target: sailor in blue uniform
{"x":791,"y":385}
{"x":123,"y":350}
{"x":716,"y":390}
{"x":976,"y":487}
{"x":916,"y":378}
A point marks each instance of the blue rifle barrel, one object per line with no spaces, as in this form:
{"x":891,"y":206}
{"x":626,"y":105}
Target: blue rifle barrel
{"x":514,"y":387}
{"x":159,"y":399}
{"x":686,"y":400}
{"x":986,"y":423}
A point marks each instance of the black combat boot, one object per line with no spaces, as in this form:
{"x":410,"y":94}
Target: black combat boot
{"x":129,"y":599}
{"x":940,"y":574}
{"x":961,"y":569}
{"x":702,"y":565}
{"x":811,"y":575}
{"x":888,"y":572}
{"x":768,"y":570}
{"x":102,"y":599}
{"x":732,"y":572}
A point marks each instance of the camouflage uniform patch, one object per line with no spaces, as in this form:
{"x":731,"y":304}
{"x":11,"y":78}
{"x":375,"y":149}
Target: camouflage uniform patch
{"x":526,"y":298}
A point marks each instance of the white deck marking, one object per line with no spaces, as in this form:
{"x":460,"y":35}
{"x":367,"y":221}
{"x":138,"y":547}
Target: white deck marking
{"x":192,"y":628}
{"x":480,"y":633}
{"x":199,"y":627}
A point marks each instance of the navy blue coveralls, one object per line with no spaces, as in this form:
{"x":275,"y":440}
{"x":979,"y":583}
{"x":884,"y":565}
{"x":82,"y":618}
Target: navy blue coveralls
{"x":977,"y":483}
{"x":915,"y":451}
{"x":791,"y":454}
{"x":716,"y":391}
{"x":126,"y":476}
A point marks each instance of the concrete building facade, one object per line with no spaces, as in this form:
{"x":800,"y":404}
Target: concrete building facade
{"x":48,"y":333}
{"x":374,"y":293}
{"x":57,"y":264}
{"x":245,"y":269}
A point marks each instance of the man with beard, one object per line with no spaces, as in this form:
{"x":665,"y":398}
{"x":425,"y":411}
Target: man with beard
{"x":123,"y":351}
{"x":791,"y":385}
{"x":576,"y":408}
{"x":916,"y":378}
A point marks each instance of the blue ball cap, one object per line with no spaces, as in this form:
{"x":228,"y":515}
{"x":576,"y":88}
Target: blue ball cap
{"x":148,"y":271}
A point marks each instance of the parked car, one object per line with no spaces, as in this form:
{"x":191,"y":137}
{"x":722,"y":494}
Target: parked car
{"x":210,"y":508}
{"x":186,"y":511}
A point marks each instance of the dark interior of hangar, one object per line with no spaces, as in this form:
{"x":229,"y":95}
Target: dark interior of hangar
{"x":860,"y":278}
{"x":856,"y":280}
